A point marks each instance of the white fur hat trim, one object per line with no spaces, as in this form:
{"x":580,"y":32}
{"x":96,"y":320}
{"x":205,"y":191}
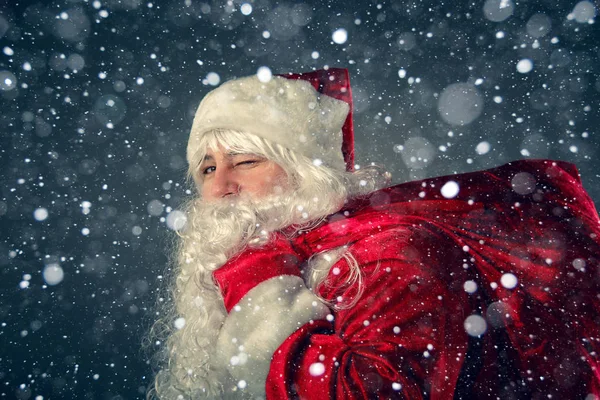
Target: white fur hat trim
{"x":288,"y":112}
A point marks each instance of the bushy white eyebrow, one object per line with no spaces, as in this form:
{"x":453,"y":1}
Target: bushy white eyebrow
{"x":230,"y":153}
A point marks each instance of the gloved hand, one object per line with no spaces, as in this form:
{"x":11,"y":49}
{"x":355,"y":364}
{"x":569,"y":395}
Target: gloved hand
{"x":254,"y":265}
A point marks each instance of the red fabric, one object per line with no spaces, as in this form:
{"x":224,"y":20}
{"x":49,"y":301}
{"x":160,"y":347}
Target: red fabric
{"x":254,"y":265}
{"x":405,"y":335}
{"x":334,"y":82}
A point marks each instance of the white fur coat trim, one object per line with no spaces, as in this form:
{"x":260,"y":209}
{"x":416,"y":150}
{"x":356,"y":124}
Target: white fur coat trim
{"x":259,"y":324}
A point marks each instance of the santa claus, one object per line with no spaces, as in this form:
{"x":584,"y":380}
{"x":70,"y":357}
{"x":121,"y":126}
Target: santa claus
{"x":297,"y":276}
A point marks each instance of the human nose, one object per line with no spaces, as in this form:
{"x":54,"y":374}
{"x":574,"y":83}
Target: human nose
{"x":223,"y":184}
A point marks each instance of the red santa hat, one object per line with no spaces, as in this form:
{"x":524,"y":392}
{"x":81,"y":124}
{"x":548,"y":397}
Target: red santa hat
{"x":309,"y":113}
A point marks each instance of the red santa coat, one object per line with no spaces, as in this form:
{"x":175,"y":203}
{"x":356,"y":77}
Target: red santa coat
{"x":509,"y":255}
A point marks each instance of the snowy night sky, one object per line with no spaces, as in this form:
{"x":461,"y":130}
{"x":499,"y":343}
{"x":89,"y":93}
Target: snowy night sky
{"x":97,"y":98}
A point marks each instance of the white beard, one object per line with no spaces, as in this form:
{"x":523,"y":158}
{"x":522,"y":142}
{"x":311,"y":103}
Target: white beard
{"x":213,"y":233}
{"x":222,"y":228}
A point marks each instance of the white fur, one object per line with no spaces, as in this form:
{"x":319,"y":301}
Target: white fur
{"x":259,"y":324}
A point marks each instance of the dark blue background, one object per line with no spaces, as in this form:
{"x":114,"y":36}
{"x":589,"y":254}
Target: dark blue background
{"x":82,"y":337}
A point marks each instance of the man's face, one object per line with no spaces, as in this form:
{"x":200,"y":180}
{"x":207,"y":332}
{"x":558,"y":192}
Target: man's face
{"x":224,"y":173}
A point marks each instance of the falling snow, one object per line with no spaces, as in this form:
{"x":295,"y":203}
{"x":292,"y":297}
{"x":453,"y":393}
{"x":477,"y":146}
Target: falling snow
{"x":317,"y":369}
{"x":475,"y":325}
{"x":450,"y":190}
{"x":97,"y":98}
{"x":340,"y":36}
